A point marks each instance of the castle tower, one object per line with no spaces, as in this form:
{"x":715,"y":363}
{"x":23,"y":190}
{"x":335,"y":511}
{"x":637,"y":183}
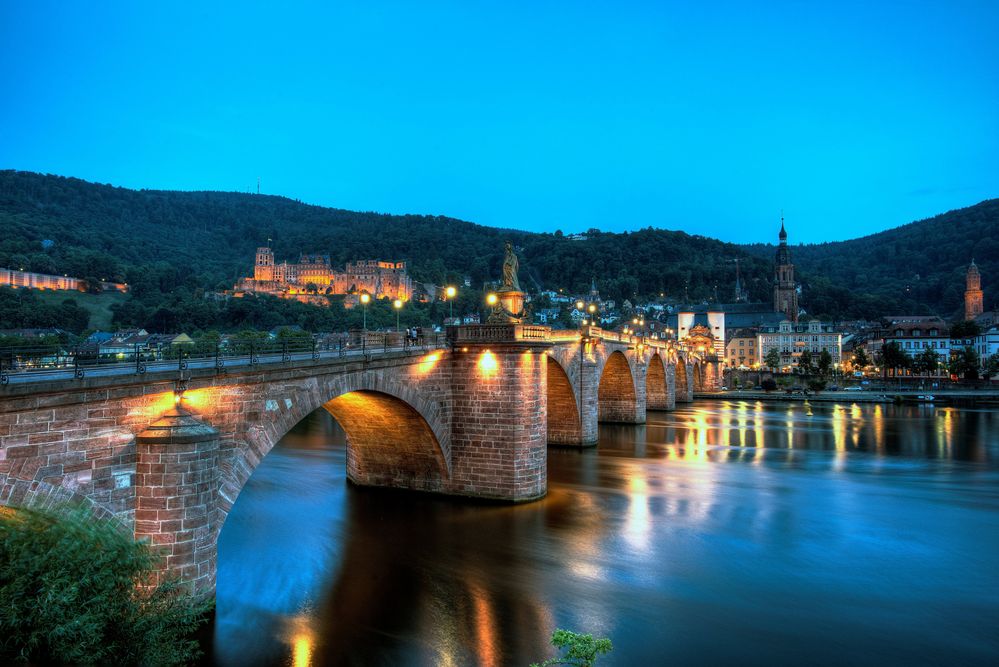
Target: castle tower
{"x":973,"y":293}
{"x":785,"y":291}
{"x":263,"y":270}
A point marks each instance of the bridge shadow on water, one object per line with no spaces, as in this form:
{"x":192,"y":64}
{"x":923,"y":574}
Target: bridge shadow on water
{"x":720,"y":533}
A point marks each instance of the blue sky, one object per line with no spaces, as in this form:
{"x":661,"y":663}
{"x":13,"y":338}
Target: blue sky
{"x":704,"y":117}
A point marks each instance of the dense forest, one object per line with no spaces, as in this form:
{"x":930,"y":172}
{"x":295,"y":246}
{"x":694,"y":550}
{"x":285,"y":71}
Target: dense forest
{"x":171,"y":247}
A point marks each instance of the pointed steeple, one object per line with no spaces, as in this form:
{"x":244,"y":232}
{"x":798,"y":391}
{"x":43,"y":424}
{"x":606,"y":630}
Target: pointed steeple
{"x":783,"y":233}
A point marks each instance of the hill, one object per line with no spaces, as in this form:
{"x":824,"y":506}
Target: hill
{"x":169,"y":246}
{"x":918,"y":268}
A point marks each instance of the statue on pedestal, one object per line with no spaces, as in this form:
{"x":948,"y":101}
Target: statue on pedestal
{"x":509,"y":306}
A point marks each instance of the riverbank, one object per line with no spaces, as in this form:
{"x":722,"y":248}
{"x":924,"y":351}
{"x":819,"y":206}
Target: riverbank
{"x":964,"y":398}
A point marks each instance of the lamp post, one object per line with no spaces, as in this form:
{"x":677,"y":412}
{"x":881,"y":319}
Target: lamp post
{"x":449,"y":295}
{"x":364,"y":303}
{"x":397,"y":304}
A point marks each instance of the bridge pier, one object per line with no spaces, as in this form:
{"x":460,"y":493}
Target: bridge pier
{"x":499,"y":424}
{"x":176,"y":497}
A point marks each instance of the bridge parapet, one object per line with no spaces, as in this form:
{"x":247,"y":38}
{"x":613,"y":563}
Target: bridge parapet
{"x":499,"y":333}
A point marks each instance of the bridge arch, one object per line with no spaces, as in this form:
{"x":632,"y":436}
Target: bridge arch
{"x":617,"y":399}
{"x":564,"y":424}
{"x":656,"y":384}
{"x":698,"y":377}
{"x":682,"y":381}
{"x":40,"y":495}
{"x":386,"y":422}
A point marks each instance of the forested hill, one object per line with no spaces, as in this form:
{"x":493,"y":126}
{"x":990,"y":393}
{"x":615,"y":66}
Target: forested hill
{"x":208,"y":239}
{"x":916,"y":268}
{"x":170,"y":243}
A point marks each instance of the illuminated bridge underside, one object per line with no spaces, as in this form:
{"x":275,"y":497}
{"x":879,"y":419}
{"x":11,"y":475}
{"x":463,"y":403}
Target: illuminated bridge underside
{"x":474,"y":419}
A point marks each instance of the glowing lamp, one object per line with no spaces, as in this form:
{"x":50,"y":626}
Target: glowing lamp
{"x":397,"y":303}
{"x":579,"y":305}
{"x":365,"y":298}
{"x":450,"y":291}
{"x":491,"y":299}
{"x":592,"y":308}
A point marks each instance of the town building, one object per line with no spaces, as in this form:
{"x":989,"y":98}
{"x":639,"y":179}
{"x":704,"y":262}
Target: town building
{"x":916,"y":333}
{"x":785,"y":289}
{"x":313,"y":273}
{"x":790,"y":339}
{"x":740,"y":348}
{"x":973,"y":297}
{"x":987,"y":344}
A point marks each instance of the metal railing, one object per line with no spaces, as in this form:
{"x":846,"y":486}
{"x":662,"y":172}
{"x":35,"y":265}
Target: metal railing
{"x":54,"y":362}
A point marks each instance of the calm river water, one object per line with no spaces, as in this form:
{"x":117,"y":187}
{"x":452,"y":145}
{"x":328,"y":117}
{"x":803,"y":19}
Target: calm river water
{"x":724,"y":533}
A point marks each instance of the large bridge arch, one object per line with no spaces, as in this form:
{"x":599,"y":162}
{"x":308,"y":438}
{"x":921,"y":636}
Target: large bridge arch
{"x":617,"y":396}
{"x":407,"y":418}
{"x":657,"y":386}
{"x":564,"y":424}
{"x":683,"y":382}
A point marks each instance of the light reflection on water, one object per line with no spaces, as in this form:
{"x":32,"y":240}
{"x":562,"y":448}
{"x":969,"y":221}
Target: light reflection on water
{"x":726,"y":533}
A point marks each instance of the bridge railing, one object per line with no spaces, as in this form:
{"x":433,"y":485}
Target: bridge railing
{"x":38,"y":363}
{"x":493,"y":333}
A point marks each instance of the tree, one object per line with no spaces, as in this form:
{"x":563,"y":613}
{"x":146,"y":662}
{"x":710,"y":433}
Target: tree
{"x":825,"y":363}
{"x":580,"y":650}
{"x":892,"y":357}
{"x":772,"y":359}
{"x":965,"y":329}
{"x":992,"y":366}
{"x":926,"y":362}
{"x":72,"y":593}
{"x":964,"y":363}
{"x":805,"y":362}
{"x":860,"y":359}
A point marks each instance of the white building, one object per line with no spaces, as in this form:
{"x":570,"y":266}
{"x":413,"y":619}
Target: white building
{"x":791,"y":339}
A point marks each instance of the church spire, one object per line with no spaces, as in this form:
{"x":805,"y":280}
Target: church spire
{"x":783,"y":233}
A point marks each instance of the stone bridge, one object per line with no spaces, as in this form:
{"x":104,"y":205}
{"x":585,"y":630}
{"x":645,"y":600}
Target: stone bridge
{"x":166,"y":454}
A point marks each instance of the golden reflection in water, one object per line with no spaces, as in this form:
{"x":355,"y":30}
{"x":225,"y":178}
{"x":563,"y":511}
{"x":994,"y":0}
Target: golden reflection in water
{"x":302,"y":639}
{"x":945,"y":432}
{"x":743,"y":423}
{"x":638,"y":523}
{"x":839,"y":437}
{"x":789,"y":423}
{"x":879,"y":428}
{"x":856,"y":415}
{"x":486,"y":639}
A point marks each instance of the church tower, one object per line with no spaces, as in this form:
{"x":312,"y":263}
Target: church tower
{"x":785,"y":291}
{"x":973,"y":293}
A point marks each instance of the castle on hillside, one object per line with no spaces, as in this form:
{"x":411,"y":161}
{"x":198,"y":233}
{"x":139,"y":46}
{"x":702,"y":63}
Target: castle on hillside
{"x":315,"y":274}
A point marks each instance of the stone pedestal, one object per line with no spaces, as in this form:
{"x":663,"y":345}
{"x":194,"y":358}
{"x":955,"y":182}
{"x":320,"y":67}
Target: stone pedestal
{"x":509,"y":308}
{"x":176,"y":489}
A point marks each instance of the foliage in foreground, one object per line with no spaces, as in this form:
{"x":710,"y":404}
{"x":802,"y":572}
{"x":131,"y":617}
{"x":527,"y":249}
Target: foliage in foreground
{"x":69,"y":589}
{"x":580,"y":650}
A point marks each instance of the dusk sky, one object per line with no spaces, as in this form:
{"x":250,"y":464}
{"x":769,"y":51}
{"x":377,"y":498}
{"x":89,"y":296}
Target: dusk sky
{"x":704,"y":117}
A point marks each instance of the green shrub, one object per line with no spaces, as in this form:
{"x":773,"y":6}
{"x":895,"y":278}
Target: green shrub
{"x":70,"y":592}
{"x":580,"y":650}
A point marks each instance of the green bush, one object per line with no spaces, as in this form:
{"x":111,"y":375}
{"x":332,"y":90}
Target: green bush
{"x":580,"y":650}
{"x":70,"y":592}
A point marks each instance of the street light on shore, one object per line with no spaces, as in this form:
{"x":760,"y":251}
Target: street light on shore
{"x":491,"y":299}
{"x":397,"y":304}
{"x":449,"y":295}
{"x":364,"y":303}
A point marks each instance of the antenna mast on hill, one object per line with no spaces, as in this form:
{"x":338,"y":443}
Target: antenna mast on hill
{"x":258,"y":185}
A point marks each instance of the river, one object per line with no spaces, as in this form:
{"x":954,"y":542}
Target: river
{"x":721,"y":533}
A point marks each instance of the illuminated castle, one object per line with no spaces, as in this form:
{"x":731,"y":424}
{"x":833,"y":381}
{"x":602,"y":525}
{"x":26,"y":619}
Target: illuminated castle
{"x":314,"y":273}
